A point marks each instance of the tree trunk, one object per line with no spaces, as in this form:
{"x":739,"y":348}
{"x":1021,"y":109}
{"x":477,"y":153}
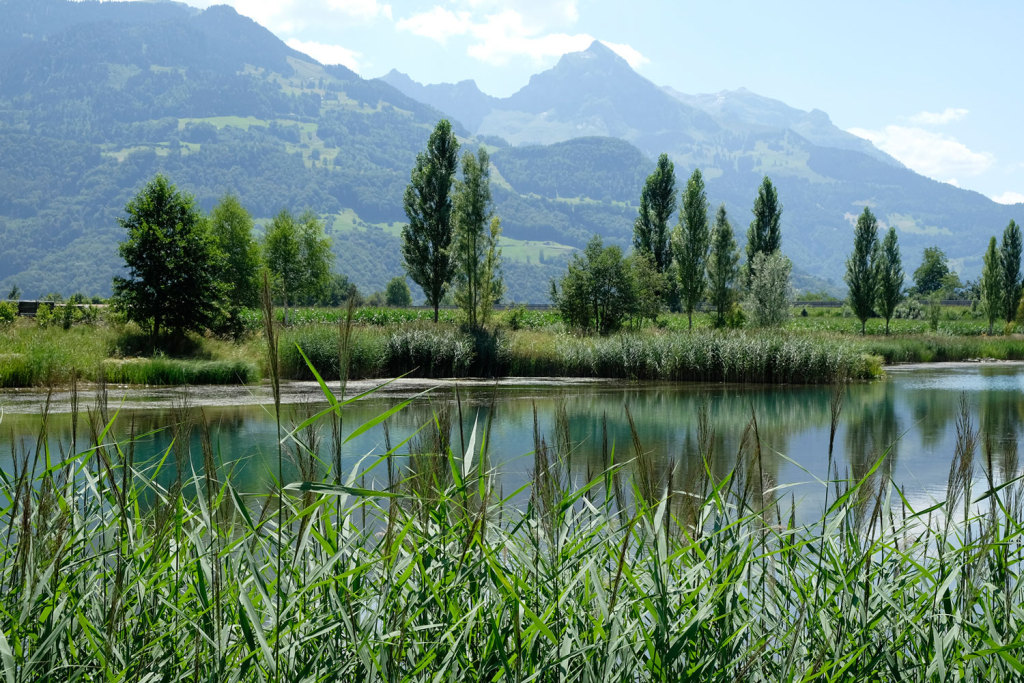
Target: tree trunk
{"x":437,"y":305}
{"x":863,"y":326}
{"x":689,"y":316}
{"x":156,"y":333}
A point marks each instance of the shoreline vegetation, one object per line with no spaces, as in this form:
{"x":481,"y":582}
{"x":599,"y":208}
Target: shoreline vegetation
{"x":417,"y":566}
{"x":385,"y":342}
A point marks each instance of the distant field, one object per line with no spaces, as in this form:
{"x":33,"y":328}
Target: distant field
{"x":525,"y":251}
{"x":243,"y":122}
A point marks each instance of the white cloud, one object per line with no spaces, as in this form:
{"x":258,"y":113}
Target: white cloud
{"x":499,"y":37}
{"x":933,"y":154}
{"x":361,"y":9}
{"x":949,"y":115}
{"x":327,"y":54}
{"x":437,"y":23}
{"x":1009,"y":198}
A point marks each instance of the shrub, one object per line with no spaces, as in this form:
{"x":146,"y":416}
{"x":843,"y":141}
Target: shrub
{"x":770,"y":290}
{"x":8,"y":312}
{"x":397,"y":293}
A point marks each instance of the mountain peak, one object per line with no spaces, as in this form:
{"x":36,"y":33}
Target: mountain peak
{"x":599,"y":49}
{"x":597,"y":54}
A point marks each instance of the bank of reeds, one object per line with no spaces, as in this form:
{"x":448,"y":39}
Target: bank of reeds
{"x":177,"y":372}
{"x":434,"y":576}
{"x":428,"y":350}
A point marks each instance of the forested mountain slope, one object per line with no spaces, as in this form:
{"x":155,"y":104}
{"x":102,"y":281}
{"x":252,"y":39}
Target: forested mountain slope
{"x":96,"y":98}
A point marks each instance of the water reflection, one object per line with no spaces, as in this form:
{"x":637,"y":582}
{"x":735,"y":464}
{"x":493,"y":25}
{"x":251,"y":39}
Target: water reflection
{"x":690,"y":434}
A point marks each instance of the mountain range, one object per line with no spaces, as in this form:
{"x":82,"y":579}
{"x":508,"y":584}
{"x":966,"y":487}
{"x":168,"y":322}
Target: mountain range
{"x":96,"y":98}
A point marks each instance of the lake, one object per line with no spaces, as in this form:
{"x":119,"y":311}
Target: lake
{"x":911,"y":414}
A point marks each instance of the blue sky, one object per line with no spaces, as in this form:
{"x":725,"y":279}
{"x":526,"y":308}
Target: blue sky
{"x":936,"y":84}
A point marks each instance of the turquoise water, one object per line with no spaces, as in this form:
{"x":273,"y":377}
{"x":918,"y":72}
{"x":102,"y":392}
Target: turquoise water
{"x":909,"y":416}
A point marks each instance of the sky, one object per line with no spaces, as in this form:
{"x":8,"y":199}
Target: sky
{"x":934,"y":83}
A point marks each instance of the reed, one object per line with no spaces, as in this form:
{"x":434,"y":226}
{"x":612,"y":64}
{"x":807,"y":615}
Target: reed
{"x":106,"y":574}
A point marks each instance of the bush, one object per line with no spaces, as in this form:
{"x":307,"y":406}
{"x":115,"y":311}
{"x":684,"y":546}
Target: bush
{"x":8,"y":312}
{"x":515,"y":317}
{"x":770,"y":290}
{"x":397,"y":293}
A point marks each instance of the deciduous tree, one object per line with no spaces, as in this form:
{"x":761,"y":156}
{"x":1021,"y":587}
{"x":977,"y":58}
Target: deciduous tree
{"x":232,"y":229}
{"x":397,"y":293}
{"x":427,"y":239}
{"x":861,"y":269}
{"x":890,"y":277}
{"x":1009,"y":260}
{"x":478,"y":284}
{"x":992,"y":283}
{"x":298,"y":255}
{"x":723,"y":267}
{"x":769,"y":294}
{"x":172,"y":262}
{"x":657,"y":204}
{"x":596,"y":292}
{"x":765,"y":233}
{"x":931,"y":274}
{"x":690,"y":242}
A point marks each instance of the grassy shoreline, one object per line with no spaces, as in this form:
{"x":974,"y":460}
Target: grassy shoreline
{"x":387,"y":343}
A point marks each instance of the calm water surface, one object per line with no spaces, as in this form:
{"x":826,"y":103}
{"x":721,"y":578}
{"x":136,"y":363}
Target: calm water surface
{"x":911,"y":413}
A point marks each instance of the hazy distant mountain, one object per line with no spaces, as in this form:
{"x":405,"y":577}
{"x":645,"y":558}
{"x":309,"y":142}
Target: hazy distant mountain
{"x":96,"y":98}
{"x":742,"y":109}
{"x":825,"y":175}
{"x":464,"y":97}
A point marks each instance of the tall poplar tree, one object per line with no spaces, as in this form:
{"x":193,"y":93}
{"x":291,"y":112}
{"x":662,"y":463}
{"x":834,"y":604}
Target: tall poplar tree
{"x":765,"y":233}
{"x":427,"y":239}
{"x":723,"y":266}
{"x":690,"y":242}
{"x":890,"y":277}
{"x":1009,"y":261}
{"x":477,"y":274}
{"x":657,"y":204}
{"x":992,"y":294}
{"x":861,"y":269}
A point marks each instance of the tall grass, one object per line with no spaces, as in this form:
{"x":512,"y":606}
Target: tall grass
{"x":175,"y":372}
{"x":438,"y":575}
{"x":428,"y":350}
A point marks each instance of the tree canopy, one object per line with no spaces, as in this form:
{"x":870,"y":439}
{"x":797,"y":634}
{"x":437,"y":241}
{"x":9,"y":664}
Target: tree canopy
{"x":478,"y":283}
{"x":171,"y":260}
{"x":931,"y":274}
{"x":890,"y":277}
{"x":992,"y":283}
{"x":232,"y":229}
{"x":723,"y":266}
{"x":690,"y":242}
{"x":1009,"y":261}
{"x":657,"y":204}
{"x":427,"y":238}
{"x":765,"y":233}
{"x":861,"y":275}
{"x":298,"y":256}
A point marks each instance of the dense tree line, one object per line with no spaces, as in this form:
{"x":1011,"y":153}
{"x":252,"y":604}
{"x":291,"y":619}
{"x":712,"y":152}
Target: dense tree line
{"x":681,"y":267}
{"x":186,"y":271}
